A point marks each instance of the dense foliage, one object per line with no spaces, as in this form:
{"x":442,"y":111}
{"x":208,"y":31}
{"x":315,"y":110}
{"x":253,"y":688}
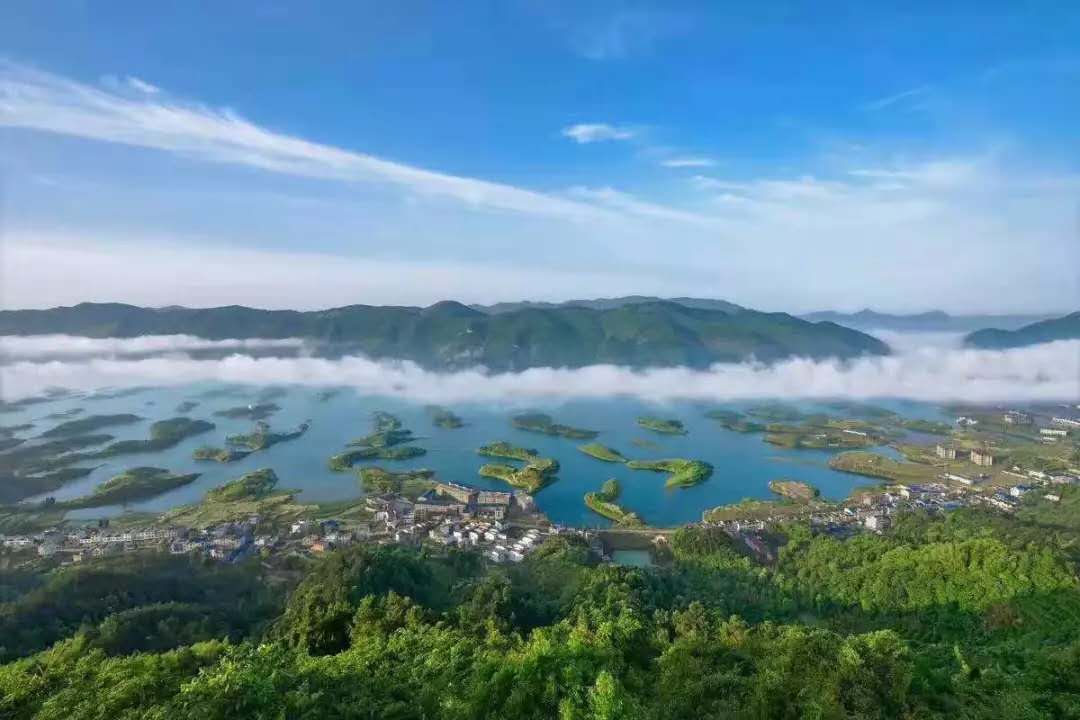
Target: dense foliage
{"x":969,"y":616}
{"x":449,"y":334}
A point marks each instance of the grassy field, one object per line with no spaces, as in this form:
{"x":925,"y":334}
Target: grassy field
{"x":878,"y":466}
{"x":794,"y":490}
{"x":411,"y":483}
{"x":758,"y":510}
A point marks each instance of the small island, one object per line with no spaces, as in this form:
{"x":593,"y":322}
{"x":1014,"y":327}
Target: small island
{"x":387,"y":442}
{"x":384,"y":438}
{"x":252,"y":494}
{"x":140,"y":483}
{"x":542,"y":423}
{"x":820,"y":437}
{"x":164,"y":434}
{"x":734,"y":421}
{"x":537,"y":473}
{"x":794,"y":490}
{"x":344,"y":461}
{"x":602,"y":452}
{"x":263,"y":438}
{"x":257,"y":411}
{"x":186,"y":406}
{"x":603,"y":503}
{"x":444,"y":418}
{"x":776,"y":412}
{"x":221,"y":455}
{"x":661,"y":425}
{"x":682,"y":473}
{"x":253,"y":485}
{"x":89,"y":424}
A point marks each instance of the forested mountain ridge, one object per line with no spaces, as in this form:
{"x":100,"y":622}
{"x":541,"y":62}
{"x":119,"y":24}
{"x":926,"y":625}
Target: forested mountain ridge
{"x":611,"y":304}
{"x":932,"y":321}
{"x":449,"y":335}
{"x":1062,"y":328}
{"x":968,"y":615}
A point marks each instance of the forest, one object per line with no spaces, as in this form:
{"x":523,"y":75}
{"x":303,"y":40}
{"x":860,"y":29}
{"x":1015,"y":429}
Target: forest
{"x":963,"y":616}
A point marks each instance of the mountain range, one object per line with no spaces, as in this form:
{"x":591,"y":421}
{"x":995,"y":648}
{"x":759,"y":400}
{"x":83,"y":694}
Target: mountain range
{"x":1062,"y":328}
{"x":932,"y":321}
{"x":865,"y":320}
{"x":449,"y":335}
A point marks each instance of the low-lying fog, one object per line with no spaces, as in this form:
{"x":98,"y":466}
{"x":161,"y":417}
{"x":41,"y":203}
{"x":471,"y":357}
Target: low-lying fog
{"x":931,"y":367}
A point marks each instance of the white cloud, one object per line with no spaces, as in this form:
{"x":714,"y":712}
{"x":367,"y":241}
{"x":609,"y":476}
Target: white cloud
{"x":896,"y":98}
{"x":1043,"y":372}
{"x":688,"y":162}
{"x":46,"y":102}
{"x":31,"y":347}
{"x":584,"y":133}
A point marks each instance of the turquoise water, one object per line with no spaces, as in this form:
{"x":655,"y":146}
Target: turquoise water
{"x":744,"y":464}
{"x":632,"y":558}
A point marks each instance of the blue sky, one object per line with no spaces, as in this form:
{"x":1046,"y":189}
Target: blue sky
{"x":783,"y":156}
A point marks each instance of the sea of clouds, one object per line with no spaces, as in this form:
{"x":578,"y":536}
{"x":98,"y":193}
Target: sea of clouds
{"x":14,"y":347}
{"x":931,"y":369}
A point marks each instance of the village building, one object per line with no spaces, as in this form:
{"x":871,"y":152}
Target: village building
{"x":983,"y":458}
{"x":950,"y":452}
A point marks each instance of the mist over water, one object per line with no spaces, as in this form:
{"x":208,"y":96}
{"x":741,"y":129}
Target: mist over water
{"x":928,"y":368}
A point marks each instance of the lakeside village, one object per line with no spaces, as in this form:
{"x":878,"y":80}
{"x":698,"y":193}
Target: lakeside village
{"x":506,"y":525}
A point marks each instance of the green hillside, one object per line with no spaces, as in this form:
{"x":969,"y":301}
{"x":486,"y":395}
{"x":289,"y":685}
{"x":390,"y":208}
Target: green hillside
{"x":449,"y":335}
{"x":1062,"y":328}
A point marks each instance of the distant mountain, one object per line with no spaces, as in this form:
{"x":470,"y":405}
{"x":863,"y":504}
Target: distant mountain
{"x":610,"y":304}
{"x":933,"y":321}
{"x":1062,"y":328}
{"x":450,"y":335}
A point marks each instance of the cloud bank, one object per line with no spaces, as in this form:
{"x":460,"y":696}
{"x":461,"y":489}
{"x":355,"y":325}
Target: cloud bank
{"x":935,"y":373}
{"x":43,"y":346}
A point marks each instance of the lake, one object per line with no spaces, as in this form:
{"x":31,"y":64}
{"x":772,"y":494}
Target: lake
{"x":744,"y":464}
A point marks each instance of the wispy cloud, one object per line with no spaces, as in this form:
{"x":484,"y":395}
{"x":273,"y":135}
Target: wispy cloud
{"x":623,"y":33}
{"x":584,"y":133}
{"x":628,"y":203}
{"x":688,"y":162}
{"x":130,"y":83}
{"x":896,"y":99}
{"x":42,"y":101}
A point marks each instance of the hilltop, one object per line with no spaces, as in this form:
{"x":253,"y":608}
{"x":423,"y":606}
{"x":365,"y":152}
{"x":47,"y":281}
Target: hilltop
{"x":1062,"y":328}
{"x":450,"y":335}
